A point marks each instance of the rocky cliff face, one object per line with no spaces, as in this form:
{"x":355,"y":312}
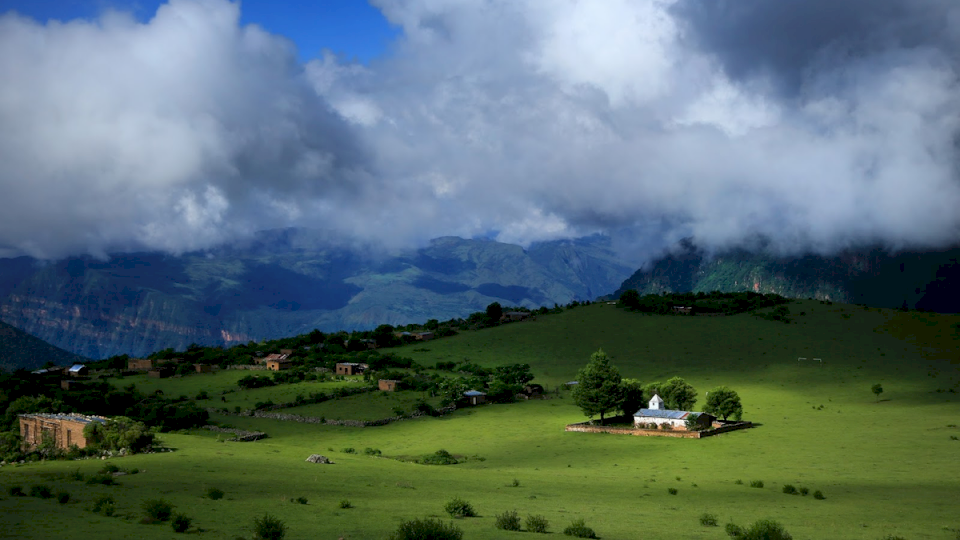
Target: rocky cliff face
{"x":872,"y":276}
{"x":284,"y":283}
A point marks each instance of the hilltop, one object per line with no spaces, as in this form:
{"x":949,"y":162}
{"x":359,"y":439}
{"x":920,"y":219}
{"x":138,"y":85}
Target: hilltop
{"x":19,"y":349}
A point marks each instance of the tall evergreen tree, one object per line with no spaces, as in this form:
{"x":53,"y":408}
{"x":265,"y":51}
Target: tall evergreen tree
{"x":598,"y":390}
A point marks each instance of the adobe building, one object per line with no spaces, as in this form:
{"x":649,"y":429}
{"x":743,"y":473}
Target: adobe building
{"x":140,"y":364}
{"x":279,"y":364}
{"x":387,"y":385}
{"x":350,"y":368}
{"x":203,"y":368}
{"x":65,"y":430}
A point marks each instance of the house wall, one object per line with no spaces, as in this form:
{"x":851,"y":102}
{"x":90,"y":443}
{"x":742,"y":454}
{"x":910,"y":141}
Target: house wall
{"x":387,"y":385}
{"x":139,"y":364}
{"x":344,"y":369}
{"x":676,"y":423}
{"x":65,"y":433}
{"x":275,"y":365}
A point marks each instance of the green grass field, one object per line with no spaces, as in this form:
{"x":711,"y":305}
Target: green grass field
{"x":886,"y":468}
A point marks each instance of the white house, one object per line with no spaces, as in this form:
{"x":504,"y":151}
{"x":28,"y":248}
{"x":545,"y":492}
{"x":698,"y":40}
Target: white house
{"x":656,"y":414}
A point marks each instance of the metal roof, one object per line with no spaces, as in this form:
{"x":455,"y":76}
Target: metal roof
{"x":472,"y":393}
{"x":77,"y":367}
{"x":661,"y":413}
{"x":82,"y":418}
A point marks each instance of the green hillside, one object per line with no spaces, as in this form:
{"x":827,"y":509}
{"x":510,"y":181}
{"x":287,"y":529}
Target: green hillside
{"x":886,"y":467}
{"x":19,"y":349}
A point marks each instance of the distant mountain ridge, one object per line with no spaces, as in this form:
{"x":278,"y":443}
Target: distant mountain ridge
{"x":928,"y":280}
{"x":287,"y":282}
{"x":19,"y":349}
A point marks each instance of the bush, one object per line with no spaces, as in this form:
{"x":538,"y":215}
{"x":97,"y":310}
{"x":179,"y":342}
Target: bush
{"x":215,"y":494}
{"x":515,"y":483}
{"x":459,"y":508}
{"x":789,"y":489}
{"x":804,"y":491}
{"x":440,"y":457}
{"x":537,"y":524}
{"x":733,"y":530}
{"x":180,"y":523}
{"x":893,"y":537}
{"x":766,"y":529}
{"x":109,"y":468}
{"x":105,"y":479}
{"x":16,"y":491}
{"x":756,"y":484}
{"x":63,"y":497}
{"x":104,"y":505}
{"x":419,"y":529}
{"x":579,"y":529}
{"x":349,"y":451}
{"x":739,"y":482}
{"x":372,"y":451}
{"x":268,"y":528}
{"x":508,"y":521}
{"x":76,"y":475}
{"x":157,"y":509}
{"x":41,"y":490}
{"x":672,"y":491}
{"x":345,"y":504}
{"x":299,"y":500}
{"x":708,"y":520}
{"x":818,"y":495}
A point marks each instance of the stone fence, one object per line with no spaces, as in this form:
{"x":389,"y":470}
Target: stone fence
{"x":586,"y":427}
{"x":331,"y":422}
{"x":239,"y":434}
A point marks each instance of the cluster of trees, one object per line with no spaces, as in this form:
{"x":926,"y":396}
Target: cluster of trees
{"x":600,"y":390}
{"x":501,"y":384}
{"x":714,"y":302}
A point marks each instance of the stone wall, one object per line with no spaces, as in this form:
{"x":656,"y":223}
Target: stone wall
{"x":239,"y":434}
{"x":331,"y":422}
{"x":586,"y":427}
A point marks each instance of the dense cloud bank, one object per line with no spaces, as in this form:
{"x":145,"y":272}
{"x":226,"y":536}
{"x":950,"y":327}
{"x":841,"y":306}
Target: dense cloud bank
{"x":816,"y":124}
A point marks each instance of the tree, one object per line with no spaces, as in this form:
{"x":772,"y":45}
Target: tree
{"x":877,"y":390}
{"x":598,"y":390}
{"x":630,"y":299}
{"x":678,"y":395}
{"x":516,"y":374}
{"x":632,"y":396}
{"x":494,"y":312}
{"x":723,"y":403}
{"x":692,"y":423}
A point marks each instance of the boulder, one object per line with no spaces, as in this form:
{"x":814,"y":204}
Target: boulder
{"x":317,"y":458}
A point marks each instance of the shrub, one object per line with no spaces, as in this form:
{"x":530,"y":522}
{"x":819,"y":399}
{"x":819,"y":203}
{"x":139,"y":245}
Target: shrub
{"x":268,"y":528}
{"x":733,"y":530}
{"x":818,"y":495}
{"x":537,"y":524}
{"x":440,"y":457}
{"x":708,"y":520}
{"x":215,"y":494}
{"x":345,"y":504}
{"x":739,"y":482}
{"x":672,"y":491}
{"x":157,"y":509}
{"x":459,"y":508}
{"x":766,"y":529}
{"x":104,"y":505}
{"x":63,"y":497}
{"x":804,"y":491}
{"x":372,"y":451}
{"x":180,"y":523}
{"x":515,"y":483}
{"x":76,"y":475}
{"x":508,"y":521}
{"x":579,"y":529}
{"x":300,"y":500}
{"x":41,"y":490}
{"x":893,"y":537}
{"x":105,"y":479}
{"x":349,"y":451}
{"x":109,"y":468}
{"x":15,"y":491}
{"x":756,"y":484}
{"x":434,"y":529}
{"x":789,"y":489}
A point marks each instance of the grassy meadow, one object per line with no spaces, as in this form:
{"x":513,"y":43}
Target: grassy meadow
{"x":886,"y":467}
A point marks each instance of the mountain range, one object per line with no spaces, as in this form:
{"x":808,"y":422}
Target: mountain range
{"x":287,"y":282}
{"x":874,"y":276}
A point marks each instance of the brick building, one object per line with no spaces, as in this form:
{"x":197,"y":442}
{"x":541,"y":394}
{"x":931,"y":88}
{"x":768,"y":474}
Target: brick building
{"x":387,"y":385}
{"x":65,"y":430}
{"x":140,"y":364}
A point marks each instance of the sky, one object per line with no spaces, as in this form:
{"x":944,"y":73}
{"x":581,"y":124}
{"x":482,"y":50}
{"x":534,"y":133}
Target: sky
{"x":176,"y":126}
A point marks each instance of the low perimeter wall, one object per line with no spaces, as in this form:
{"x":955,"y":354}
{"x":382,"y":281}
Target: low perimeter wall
{"x":586,"y":427}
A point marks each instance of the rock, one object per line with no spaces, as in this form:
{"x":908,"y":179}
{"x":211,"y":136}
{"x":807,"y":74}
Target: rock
{"x":317,"y":458}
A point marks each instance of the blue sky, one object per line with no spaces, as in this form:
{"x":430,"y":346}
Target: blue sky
{"x":352,"y":29}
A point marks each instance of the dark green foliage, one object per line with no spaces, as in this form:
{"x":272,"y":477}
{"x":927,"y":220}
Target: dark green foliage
{"x":692,"y":423}
{"x":893,"y":537}
{"x":345,"y":504}
{"x":678,"y":395}
{"x":103,"y":479}
{"x":440,"y":457}
{"x":494,"y":312}
{"x":269,"y":528}
{"x":818,"y":495}
{"x":41,"y":490}
{"x":349,"y":450}
{"x":633,"y":396}
{"x":672,"y":491}
{"x":708,"y":520}
{"x":630,"y":299}
{"x":104,"y":504}
{"x":109,"y":468}
{"x":372,"y":451}
{"x":459,"y":508}
{"x":804,"y":491}
{"x":738,"y":482}
{"x":16,"y":491}
{"x":515,"y":483}
{"x":790,"y":489}
{"x":733,"y":530}
{"x":157,"y":509}
{"x":578,"y":528}
{"x":598,"y":391}
{"x":180,"y":523}
{"x":723,"y":402}
{"x":537,"y":524}
{"x":299,"y":500}
{"x":426,"y":529}
{"x":508,"y":521}
{"x":756,"y":484}
{"x":63,"y":497}
{"x":252,"y":381}
{"x":877,"y":389}
{"x":116,"y":433}
{"x":766,"y":529}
